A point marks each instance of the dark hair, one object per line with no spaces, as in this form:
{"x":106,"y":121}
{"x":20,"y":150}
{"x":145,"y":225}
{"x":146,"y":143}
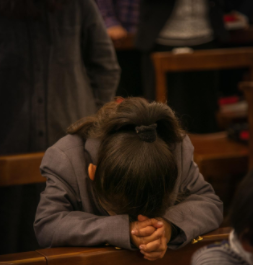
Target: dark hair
{"x":135,"y":175}
{"x":241,"y":213}
{"x":27,"y":8}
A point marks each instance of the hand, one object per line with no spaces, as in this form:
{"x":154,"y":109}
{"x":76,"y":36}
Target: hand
{"x":117,"y":33}
{"x":155,"y":249}
{"x":143,"y":228}
{"x":167,"y":227}
{"x":153,"y":246}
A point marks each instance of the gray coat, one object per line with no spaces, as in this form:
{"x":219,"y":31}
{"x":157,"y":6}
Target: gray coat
{"x":54,"y":70}
{"x":69,"y":213}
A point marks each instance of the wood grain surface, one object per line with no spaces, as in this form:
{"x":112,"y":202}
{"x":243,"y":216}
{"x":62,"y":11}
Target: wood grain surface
{"x":109,"y":255}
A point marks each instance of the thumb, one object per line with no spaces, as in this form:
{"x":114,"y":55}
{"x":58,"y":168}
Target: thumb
{"x":157,"y":223}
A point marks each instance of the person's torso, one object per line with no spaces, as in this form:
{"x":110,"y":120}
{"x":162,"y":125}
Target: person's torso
{"x":40,"y":62}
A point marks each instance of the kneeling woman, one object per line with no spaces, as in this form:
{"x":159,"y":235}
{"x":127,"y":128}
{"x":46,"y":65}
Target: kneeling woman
{"x":125,"y":177}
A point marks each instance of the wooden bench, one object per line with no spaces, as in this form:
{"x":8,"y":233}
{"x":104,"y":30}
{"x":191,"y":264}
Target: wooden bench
{"x":220,"y":160}
{"x":108,"y":255}
{"x":198,"y":60}
{"x":214,"y":153}
{"x":20,"y":169}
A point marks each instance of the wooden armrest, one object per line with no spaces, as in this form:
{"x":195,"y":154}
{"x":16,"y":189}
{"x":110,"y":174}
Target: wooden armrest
{"x":218,"y":234}
{"x":31,"y":257}
{"x":20,"y":169}
{"x":109,"y":255}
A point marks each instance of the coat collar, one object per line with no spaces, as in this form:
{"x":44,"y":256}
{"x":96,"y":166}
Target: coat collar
{"x":92,"y":146}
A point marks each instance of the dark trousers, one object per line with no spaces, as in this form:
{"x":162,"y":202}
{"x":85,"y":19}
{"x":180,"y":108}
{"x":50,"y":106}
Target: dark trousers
{"x":192,"y":95}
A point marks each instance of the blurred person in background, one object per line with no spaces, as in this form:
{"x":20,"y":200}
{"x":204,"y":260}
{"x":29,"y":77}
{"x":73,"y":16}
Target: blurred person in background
{"x":57,"y":65}
{"x":121,"y":19}
{"x":239,"y":248}
{"x":197,"y":24}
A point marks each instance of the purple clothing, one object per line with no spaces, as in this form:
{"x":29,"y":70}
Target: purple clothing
{"x":120,"y":12}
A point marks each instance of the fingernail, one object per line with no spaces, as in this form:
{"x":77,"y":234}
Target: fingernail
{"x":160,"y":223}
{"x":133,"y":232}
{"x":140,"y":247}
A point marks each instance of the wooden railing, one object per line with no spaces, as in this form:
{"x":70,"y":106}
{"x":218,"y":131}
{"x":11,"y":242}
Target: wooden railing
{"x":20,"y":169}
{"x":109,"y":255}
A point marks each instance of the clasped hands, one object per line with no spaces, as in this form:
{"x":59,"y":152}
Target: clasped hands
{"x":150,"y":236}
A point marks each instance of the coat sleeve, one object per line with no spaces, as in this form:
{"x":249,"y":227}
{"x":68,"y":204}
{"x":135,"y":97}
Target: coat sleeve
{"x":99,"y":55}
{"x":60,"y":220}
{"x":202,"y":210}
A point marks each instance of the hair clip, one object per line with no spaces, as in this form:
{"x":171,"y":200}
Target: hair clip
{"x":119,"y":100}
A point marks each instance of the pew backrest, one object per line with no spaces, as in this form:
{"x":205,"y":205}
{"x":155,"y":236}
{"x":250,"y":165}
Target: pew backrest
{"x":20,"y":169}
{"x":196,"y":61}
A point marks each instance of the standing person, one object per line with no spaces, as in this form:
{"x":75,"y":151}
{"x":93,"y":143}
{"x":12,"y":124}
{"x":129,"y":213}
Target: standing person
{"x":57,"y":65}
{"x":239,"y":248}
{"x":121,"y":18}
{"x":117,"y":175}
{"x":198,"y":24}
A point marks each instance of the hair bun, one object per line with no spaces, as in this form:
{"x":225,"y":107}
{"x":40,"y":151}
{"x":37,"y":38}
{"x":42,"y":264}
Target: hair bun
{"x":147,"y":133}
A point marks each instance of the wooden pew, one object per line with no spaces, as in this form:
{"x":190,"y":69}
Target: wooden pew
{"x":220,"y":160}
{"x":215,"y":59}
{"x":214,"y":153}
{"x":108,"y":255}
{"x":20,"y":169}
{"x":241,"y":36}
